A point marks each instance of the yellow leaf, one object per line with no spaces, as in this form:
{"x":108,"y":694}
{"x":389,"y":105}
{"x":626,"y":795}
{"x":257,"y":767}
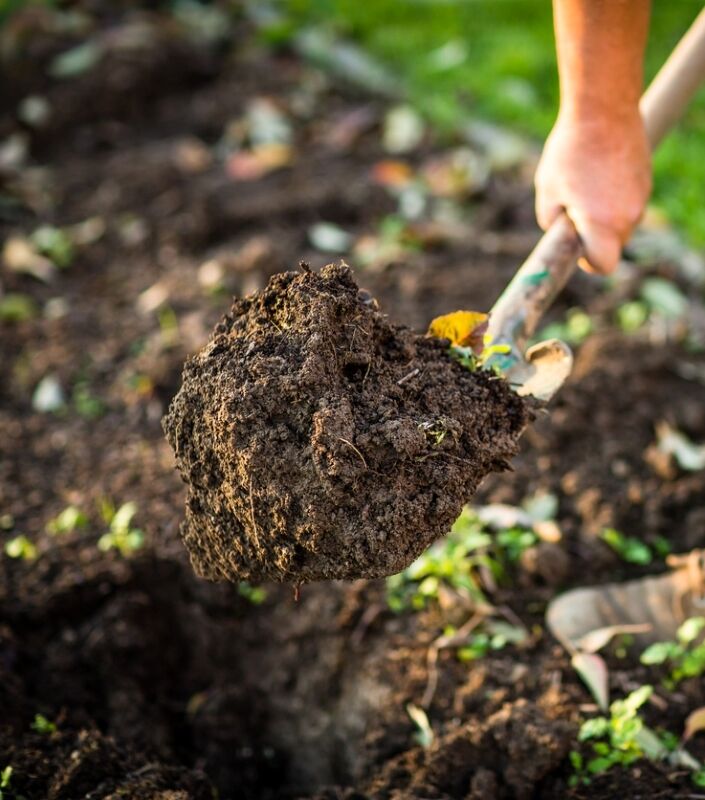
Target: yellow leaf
{"x":463,"y":328}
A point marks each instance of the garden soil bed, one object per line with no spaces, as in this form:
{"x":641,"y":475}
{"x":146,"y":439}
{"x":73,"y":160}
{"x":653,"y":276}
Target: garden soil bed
{"x":164,"y":685}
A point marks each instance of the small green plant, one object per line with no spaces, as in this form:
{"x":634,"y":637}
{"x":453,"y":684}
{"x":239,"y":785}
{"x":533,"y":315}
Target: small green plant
{"x":576,"y":327}
{"x":21,"y":547}
{"x":685,"y":656}
{"x":621,"y":738}
{"x":121,"y":536}
{"x":16,"y":307}
{"x":454,"y":562}
{"x":69,"y":520}
{"x":627,"y":548}
{"x":5,"y":777}
{"x":55,"y":244}
{"x":42,"y":725}
{"x":87,"y":405}
{"x":255,"y":594}
{"x":495,"y":635}
{"x":435,"y":431}
{"x":472,"y":361}
{"x":168,"y":326}
{"x":632,"y":315}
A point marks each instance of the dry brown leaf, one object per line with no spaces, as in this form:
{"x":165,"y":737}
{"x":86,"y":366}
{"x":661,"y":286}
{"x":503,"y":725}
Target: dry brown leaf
{"x":593,"y":672}
{"x":694,"y":723}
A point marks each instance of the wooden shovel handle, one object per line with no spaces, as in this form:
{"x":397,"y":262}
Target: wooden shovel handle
{"x":546,"y":271}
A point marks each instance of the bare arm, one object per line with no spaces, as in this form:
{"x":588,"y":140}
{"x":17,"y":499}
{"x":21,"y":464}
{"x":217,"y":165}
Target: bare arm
{"x":596,"y":163}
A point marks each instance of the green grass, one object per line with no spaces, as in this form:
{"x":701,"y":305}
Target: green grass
{"x":498,"y":63}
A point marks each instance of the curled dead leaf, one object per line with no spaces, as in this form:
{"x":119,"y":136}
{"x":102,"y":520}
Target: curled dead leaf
{"x":249,"y":165}
{"x":694,"y":723}
{"x":650,"y":608}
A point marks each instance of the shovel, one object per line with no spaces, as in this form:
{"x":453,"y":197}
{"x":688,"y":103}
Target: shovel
{"x":542,"y":369}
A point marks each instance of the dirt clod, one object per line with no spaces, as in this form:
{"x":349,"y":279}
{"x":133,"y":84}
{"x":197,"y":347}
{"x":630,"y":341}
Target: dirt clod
{"x":319,"y":440}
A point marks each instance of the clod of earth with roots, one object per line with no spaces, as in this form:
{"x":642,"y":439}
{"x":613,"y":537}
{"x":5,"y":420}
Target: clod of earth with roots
{"x":319,"y":440}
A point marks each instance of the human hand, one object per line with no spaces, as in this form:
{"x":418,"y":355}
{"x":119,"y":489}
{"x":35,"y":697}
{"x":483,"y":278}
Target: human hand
{"x":599,"y":172}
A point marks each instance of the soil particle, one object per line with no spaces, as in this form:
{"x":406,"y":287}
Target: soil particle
{"x":319,"y":440}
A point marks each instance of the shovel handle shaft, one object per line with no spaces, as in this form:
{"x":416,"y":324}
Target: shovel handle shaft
{"x":516,"y":314}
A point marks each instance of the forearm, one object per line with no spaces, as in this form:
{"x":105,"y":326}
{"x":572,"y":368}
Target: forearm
{"x":600,"y":46}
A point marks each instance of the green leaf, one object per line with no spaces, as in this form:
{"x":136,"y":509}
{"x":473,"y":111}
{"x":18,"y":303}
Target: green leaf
{"x":67,"y":521}
{"x":76,"y":61}
{"x":54,"y":243}
{"x":16,"y":307}
{"x":255,"y":594}
{"x":123,"y":517}
{"x":599,"y":764}
{"x":664,"y":297}
{"x":630,"y":549}
{"x":690,"y":629}
{"x":21,"y":547}
{"x":5,"y":776}
{"x":631,"y":316}
{"x":638,"y":697}
{"x":659,"y":652}
{"x":42,"y":725}
{"x":594,"y":729}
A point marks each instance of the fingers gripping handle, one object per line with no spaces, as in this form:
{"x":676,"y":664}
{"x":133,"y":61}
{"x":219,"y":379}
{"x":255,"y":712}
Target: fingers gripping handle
{"x":516,"y":314}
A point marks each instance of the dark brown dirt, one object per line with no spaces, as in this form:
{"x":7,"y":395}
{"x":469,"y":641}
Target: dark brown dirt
{"x":156,"y":678}
{"x":320,"y":441}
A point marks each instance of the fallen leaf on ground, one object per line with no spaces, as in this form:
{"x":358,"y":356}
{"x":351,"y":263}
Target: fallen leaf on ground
{"x":346,"y":129}
{"x":48,"y":396}
{"x":660,"y":602}
{"x":392,"y":174}
{"x":424,"y":734}
{"x":600,"y":637}
{"x":593,"y":672}
{"x":403,"y":130}
{"x":21,"y":255}
{"x":694,"y":723}
{"x":249,"y":165}
{"x":456,"y":174}
{"x":329,"y":238}
{"x":463,"y":328}
{"x":688,"y":455}
{"x":76,"y":61}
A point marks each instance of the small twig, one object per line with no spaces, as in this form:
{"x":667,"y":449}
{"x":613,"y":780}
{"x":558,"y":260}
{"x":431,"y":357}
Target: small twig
{"x":412,"y":374}
{"x":439,"y":644}
{"x":252,"y":510}
{"x":369,"y":616}
{"x":350,"y":444}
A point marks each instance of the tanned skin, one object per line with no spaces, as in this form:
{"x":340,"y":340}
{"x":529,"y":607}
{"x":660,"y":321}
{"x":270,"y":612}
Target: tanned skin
{"x":596,"y":164}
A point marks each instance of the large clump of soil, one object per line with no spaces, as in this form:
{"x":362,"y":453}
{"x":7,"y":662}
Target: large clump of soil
{"x":319,"y":440}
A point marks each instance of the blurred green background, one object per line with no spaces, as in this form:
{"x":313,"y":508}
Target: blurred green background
{"x":495,"y":59}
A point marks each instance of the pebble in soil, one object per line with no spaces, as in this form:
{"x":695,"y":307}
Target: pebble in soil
{"x":319,"y":440}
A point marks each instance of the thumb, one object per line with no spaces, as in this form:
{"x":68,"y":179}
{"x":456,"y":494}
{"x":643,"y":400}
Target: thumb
{"x":602,"y":244}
